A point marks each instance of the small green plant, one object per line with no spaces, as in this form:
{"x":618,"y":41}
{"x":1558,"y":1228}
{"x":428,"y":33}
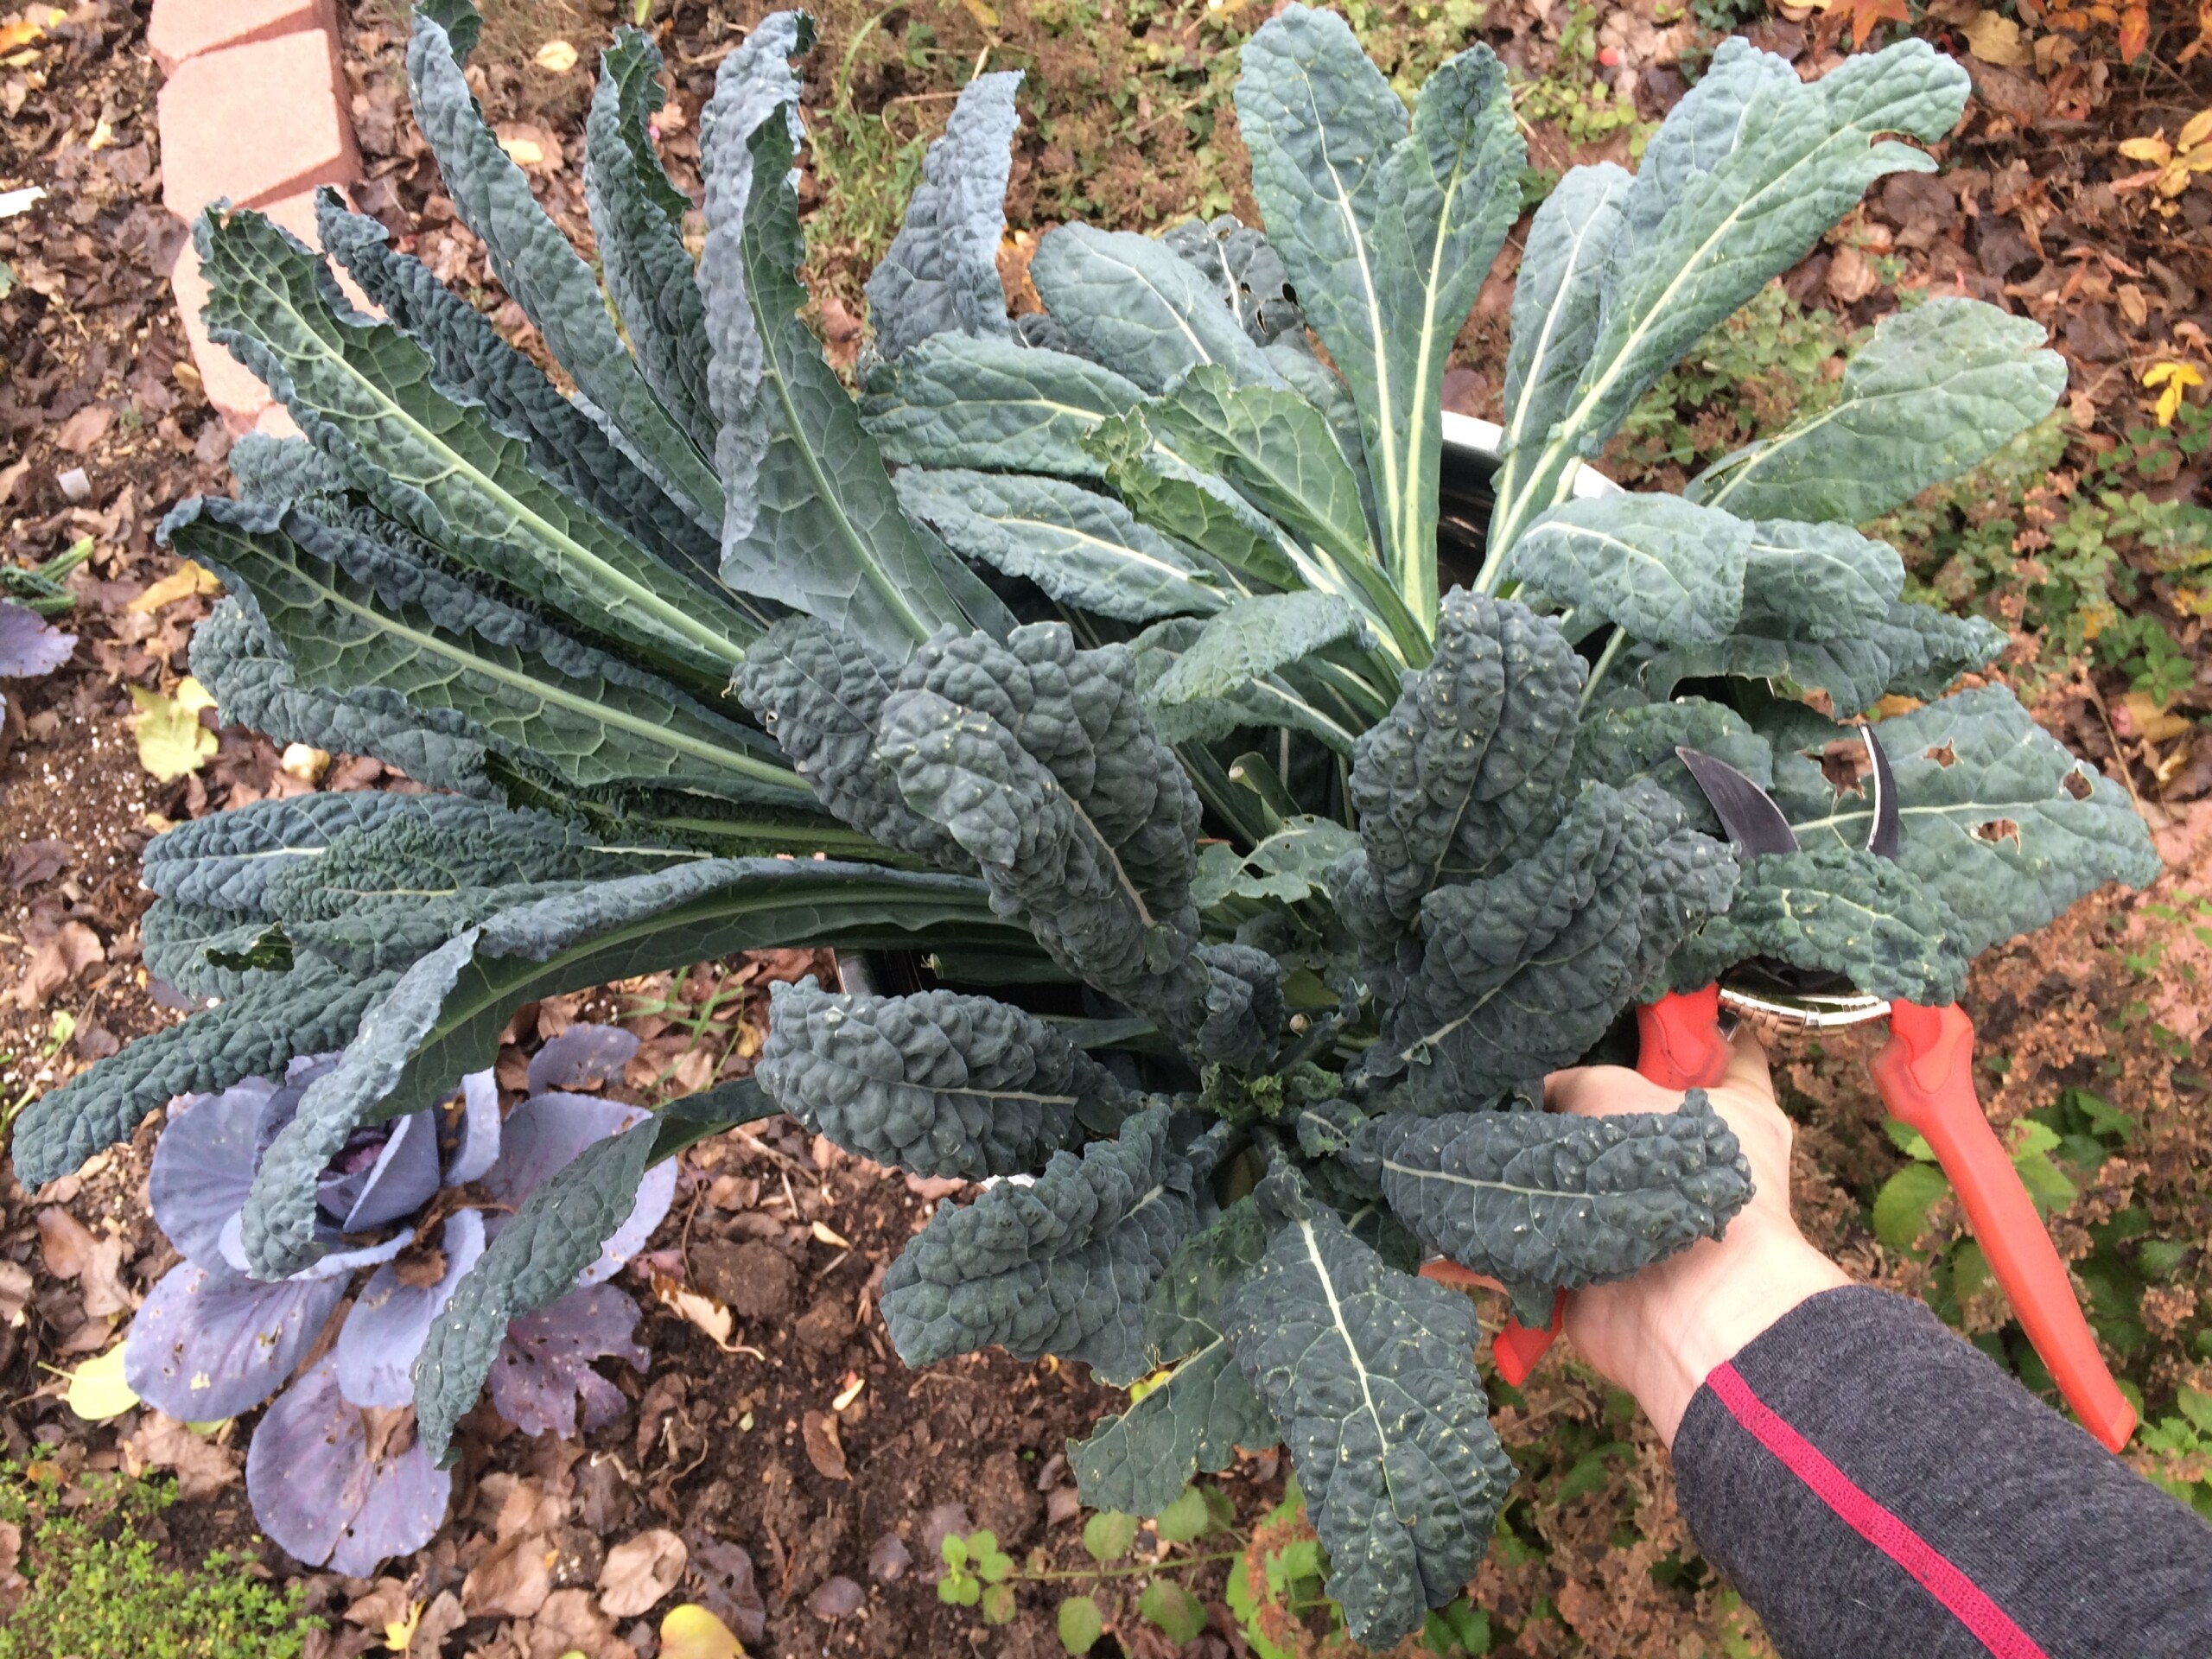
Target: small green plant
{"x":978,"y":1574}
{"x":1274,"y":1591}
{"x":1572,"y":96}
{"x":2180,"y":1451}
{"x":95,"y":1585}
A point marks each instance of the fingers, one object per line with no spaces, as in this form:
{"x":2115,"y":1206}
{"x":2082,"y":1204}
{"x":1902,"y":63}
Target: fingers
{"x":1601,"y":1090}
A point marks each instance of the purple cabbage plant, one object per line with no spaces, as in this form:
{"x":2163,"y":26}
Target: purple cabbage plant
{"x":335,"y":1473}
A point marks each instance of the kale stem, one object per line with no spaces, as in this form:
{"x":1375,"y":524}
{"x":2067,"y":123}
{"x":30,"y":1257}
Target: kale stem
{"x":1602,"y":666}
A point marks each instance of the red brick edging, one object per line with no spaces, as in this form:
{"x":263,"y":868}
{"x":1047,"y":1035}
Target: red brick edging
{"x":253,"y":110}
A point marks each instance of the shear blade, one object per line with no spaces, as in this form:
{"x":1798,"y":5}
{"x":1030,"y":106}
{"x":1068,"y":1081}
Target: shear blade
{"x":1882,"y":838}
{"x":1747,"y":812}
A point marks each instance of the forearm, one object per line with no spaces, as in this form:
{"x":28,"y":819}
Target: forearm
{"x":1874,"y":1486}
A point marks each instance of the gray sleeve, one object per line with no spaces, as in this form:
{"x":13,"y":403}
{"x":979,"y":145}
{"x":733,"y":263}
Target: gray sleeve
{"x":1877,"y":1489}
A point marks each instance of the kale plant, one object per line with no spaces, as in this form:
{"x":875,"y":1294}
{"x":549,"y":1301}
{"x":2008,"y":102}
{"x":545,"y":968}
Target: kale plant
{"x":1100,"y":654}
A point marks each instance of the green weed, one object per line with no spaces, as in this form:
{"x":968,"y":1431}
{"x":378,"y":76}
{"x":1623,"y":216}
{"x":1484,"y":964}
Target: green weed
{"x":96,"y":1585}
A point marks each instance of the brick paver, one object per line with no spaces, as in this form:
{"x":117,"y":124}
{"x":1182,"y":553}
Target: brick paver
{"x":183,"y":29}
{"x":255,"y":123}
{"x":239,"y":398}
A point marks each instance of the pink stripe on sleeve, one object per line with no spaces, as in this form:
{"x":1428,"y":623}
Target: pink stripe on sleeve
{"x":1929,"y":1566}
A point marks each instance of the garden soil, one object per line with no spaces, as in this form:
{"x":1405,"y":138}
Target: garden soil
{"x":808,"y":1476}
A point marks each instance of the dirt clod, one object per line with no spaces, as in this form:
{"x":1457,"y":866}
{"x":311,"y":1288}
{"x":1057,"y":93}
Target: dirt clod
{"x":752,"y":1279}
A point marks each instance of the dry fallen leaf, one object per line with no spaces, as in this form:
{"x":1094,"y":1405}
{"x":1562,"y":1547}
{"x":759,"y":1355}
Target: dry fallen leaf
{"x":823,"y":1450}
{"x":512,"y":1580}
{"x":1995,"y":38}
{"x":555,"y":57}
{"x":171,"y":740}
{"x":56,"y":961}
{"x":701,"y":1312}
{"x":15,"y":1293}
{"x":101,"y":1282}
{"x":65,"y":1244}
{"x":824,"y":1235}
{"x":203,"y":1468}
{"x":640,"y":1571}
{"x":182,"y":582}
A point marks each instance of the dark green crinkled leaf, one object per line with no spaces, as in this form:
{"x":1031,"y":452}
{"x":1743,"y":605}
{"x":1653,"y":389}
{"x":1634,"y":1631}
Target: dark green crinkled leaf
{"x":1701,"y":131}
{"x":1556,"y":302}
{"x":821,"y":693}
{"x":442,"y":1018}
{"x":548,"y":279}
{"x":1464,"y":773}
{"x":813,"y":521}
{"x":1039,"y":760}
{"x":1083,"y":549}
{"x":557,"y":1232}
{"x":1251,"y":639}
{"x":1522,"y":972}
{"x":351,"y":612}
{"x":1371,"y":1373}
{"x":1387,"y":228}
{"x":1839,"y":910}
{"x":1060,"y":1266}
{"x":227,"y":860}
{"x":637,"y":221}
{"x":365,"y":394}
{"x":1274,"y":448}
{"x":1619,"y":746}
{"x":248,"y":675}
{"x":945,"y":1085}
{"x":1193,"y":1420}
{"x":1817,"y":582}
{"x":1248,"y":273}
{"x":470,"y":364}
{"x":1133,"y":305}
{"x":273,"y":470}
{"x":1295,"y":699}
{"x":1538,"y":1200}
{"x":1663,"y":570}
{"x":313,"y":1008}
{"x":942,"y":272}
{"x":1915,"y":651}
{"x":953,"y":401}
{"x":1997,"y":820}
{"x":1714,"y":227}
{"x":176,"y":939}
{"x":1936,"y":390}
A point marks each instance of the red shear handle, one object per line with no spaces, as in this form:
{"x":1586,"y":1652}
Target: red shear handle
{"x":1926,"y":1081}
{"x":1680,"y":1046}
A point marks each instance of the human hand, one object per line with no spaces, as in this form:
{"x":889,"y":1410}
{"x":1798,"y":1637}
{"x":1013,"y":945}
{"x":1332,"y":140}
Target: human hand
{"x":1658,"y":1334}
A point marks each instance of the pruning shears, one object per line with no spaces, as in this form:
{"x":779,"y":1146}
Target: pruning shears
{"x":1925,"y":1078}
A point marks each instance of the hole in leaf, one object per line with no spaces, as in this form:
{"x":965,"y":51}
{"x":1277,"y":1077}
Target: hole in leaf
{"x":1943,"y":756}
{"x":1998,"y":829}
{"x":2078,"y":785}
{"x":1843,"y":763}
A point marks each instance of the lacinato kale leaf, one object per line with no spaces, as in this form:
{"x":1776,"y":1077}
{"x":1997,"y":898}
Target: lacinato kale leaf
{"x":1371,"y":1374}
{"x":1062,"y":1266}
{"x":942,"y":1085}
{"x":1541,"y":1201}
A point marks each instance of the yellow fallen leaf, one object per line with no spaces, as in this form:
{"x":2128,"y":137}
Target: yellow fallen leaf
{"x":2151,"y":722}
{"x":2154,"y":149}
{"x":96,"y":1390}
{"x":1995,"y":38}
{"x":703,"y":1313}
{"x":171,"y":740}
{"x":399,"y":1632}
{"x":691,"y":1632}
{"x":981,"y":13}
{"x":557,"y":57}
{"x":182,"y":582}
{"x":2195,"y":131}
{"x":21,"y":33}
{"x":2171,"y":381}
